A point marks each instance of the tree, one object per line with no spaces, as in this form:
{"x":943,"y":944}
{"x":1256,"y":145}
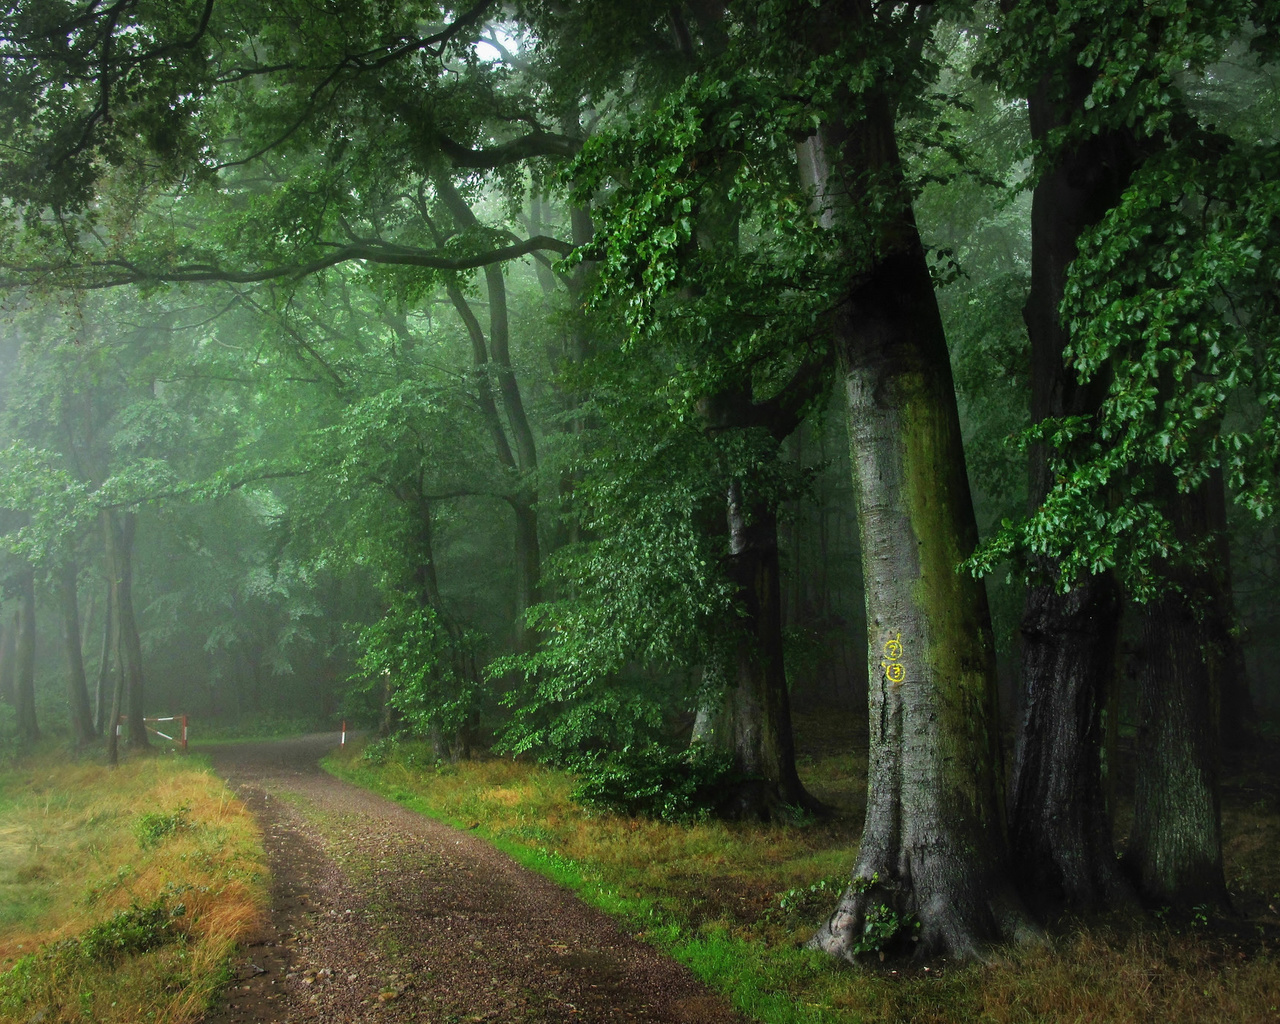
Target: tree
{"x":934,"y":838}
{"x":1122,"y":477}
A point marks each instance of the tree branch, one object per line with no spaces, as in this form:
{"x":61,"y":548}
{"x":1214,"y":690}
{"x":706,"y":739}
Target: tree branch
{"x":96,"y":274}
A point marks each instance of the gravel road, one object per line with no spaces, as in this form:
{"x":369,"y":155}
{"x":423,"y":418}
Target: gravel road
{"x":380,"y":914}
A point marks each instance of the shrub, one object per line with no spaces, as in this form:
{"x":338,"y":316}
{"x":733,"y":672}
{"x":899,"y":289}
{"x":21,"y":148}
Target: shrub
{"x":673,"y":785}
{"x":154,"y":827}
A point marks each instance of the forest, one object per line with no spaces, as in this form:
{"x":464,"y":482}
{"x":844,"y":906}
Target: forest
{"x":609,"y":386}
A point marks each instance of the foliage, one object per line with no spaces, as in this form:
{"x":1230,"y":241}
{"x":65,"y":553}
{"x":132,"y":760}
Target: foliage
{"x":1170,"y":303}
{"x":423,"y":666}
{"x":154,"y":827}
{"x":809,"y":901}
{"x":669,"y":785}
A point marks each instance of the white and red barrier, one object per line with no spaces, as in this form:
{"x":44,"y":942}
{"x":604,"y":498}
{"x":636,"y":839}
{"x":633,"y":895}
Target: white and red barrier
{"x":181,"y":731}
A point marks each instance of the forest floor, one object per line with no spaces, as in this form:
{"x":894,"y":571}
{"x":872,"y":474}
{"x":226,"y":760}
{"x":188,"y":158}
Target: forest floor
{"x":381,"y":914}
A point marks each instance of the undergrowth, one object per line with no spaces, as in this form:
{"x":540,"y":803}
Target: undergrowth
{"x":736,"y":900}
{"x":122,"y":893}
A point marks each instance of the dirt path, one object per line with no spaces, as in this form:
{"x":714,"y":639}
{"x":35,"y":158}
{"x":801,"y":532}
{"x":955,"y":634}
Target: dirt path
{"x":380,"y":914}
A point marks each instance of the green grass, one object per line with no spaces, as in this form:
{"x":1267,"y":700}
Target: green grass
{"x":730,"y":900}
{"x":251,"y":729}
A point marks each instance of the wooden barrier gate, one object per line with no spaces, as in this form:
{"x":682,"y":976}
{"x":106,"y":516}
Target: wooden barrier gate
{"x":180,"y":739}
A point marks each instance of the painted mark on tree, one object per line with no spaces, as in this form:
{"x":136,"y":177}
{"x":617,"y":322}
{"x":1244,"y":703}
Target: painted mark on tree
{"x":892,"y":666}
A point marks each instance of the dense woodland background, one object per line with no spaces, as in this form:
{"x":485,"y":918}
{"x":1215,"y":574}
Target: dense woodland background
{"x":511,"y":375}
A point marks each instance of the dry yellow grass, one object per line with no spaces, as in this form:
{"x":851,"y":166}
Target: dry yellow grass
{"x":75,"y":852}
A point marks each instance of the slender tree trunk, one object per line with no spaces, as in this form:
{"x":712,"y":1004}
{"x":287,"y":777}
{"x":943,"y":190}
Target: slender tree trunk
{"x":528,"y":565}
{"x":465,"y":672}
{"x":524,"y":499}
{"x":25,"y":658}
{"x":8,"y":643}
{"x":77,"y":687}
{"x":1060,"y":826}
{"x":934,"y":843}
{"x":120,"y":547}
{"x":103,"y":685}
{"x":117,"y":703}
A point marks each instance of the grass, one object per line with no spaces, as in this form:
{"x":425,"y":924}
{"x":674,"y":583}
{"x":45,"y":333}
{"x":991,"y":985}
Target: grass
{"x":734,"y":901}
{"x":251,"y":729}
{"x":122,"y":892}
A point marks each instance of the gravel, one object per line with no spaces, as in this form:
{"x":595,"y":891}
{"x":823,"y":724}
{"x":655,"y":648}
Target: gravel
{"x":380,"y":914}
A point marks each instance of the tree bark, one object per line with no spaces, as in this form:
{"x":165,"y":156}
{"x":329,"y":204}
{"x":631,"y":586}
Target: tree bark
{"x":8,"y":643}
{"x":25,"y":658}
{"x":110,"y":643}
{"x":1060,"y":827}
{"x":81,"y":719}
{"x":752,"y":719}
{"x":1227,"y":662}
{"x":1175,"y":844}
{"x":934,"y":843}
{"x":120,"y":557}
{"x":1059,"y":820}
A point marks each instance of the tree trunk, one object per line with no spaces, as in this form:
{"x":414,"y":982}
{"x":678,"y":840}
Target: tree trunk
{"x":77,"y":688}
{"x":8,"y":643}
{"x":752,"y":720}
{"x":524,"y":500}
{"x":528,"y":565}
{"x":110,"y":643}
{"x":117,"y":697}
{"x":1175,"y":844}
{"x":25,"y":658}
{"x":120,"y":557}
{"x":1175,"y":848}
{"x":1060,"y":826}
{"x":1226,"y":653}
{"x":934,"y":843}
{"x":462,"y":665}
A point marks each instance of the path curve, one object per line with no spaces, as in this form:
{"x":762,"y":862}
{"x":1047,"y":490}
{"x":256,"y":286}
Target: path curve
{"x":380,"y":914}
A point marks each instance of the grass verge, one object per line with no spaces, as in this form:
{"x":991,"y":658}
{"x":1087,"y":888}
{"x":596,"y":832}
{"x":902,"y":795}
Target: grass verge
{"x":734,"y":901}
{"x":122,"y":892}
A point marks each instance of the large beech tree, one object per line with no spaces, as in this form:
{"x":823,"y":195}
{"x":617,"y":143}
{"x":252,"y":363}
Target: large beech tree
{"x":1106,"y":111}
{"x":848,"y":275}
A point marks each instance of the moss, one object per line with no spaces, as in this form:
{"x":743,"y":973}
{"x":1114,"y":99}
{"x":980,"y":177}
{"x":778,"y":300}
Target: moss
{"x":959,"y":650}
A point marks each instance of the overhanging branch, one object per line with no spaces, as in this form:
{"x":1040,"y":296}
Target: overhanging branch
{"x":94,"y":274}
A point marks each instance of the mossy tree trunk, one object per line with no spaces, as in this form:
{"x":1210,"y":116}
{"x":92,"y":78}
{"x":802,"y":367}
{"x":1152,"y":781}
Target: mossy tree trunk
{"x":934,"y":844}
